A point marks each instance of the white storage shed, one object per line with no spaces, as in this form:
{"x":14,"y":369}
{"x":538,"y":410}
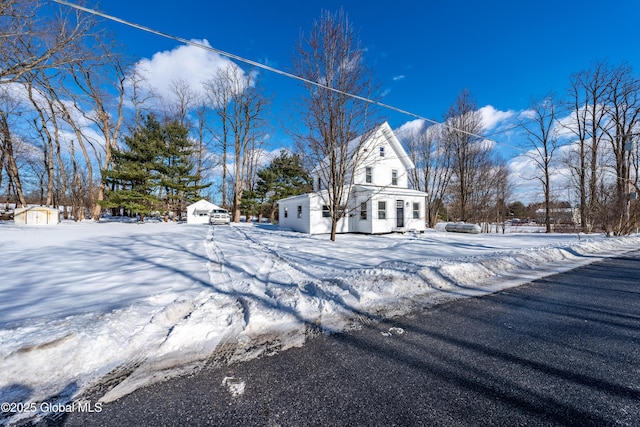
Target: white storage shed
{"x":36,"y":215}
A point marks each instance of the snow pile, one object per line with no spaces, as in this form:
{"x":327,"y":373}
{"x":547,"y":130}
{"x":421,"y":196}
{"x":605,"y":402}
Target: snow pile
{"x":104,"y":308}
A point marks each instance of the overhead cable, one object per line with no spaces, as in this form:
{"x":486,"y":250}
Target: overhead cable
{"x":263,"y":66}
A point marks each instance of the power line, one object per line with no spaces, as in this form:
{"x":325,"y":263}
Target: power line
{"x":263,"y":66}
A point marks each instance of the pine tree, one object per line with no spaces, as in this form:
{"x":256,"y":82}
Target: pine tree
{"x":154,"y":172}
{"x":179,"y":181}
{"x":284,"y":177}
{"x":133,"y":176}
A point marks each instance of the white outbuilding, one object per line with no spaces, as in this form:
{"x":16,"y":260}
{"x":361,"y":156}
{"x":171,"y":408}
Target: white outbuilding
{"x":198,"y":212}
{"x":36,"y":215}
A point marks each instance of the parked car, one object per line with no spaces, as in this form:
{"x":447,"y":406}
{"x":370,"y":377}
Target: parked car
{"x":219,"y":216}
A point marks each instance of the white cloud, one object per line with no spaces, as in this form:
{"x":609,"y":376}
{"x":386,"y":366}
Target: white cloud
{"x":187,"y":63}
{"x":400,"y":77}
{"x":409,"y":128}
{"x":491,"y":117}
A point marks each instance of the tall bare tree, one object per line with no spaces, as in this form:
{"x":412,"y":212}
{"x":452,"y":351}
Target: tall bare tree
{"x":470,"y":154}
{"x":8,"y":142}
{"x":623,"y":114}
{"x":542,"y":143}
{"x":239,"y":104}
{"x":433,"y":162}
{"x":330,"y":55}
{"x":588,"y":93}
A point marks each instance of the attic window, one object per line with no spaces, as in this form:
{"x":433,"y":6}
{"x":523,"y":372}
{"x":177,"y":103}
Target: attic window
{"x":382,"y":151}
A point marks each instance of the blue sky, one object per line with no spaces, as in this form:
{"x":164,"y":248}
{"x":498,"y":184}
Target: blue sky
{"x":422,"y":52}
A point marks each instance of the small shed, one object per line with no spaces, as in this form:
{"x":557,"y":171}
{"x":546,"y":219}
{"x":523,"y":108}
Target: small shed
{"x":198,"y":212}
{"x":36,"y":215}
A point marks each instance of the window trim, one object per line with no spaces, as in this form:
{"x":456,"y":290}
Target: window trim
{"x":382,"y":209}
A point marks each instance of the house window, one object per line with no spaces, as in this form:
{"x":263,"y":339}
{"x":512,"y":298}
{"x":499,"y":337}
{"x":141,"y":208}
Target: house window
{"x":416,"y":210}
{"x":382,"y":151}
{"x":394,"y":177}
{"x":368,"y":173}
{"x":299,"y":211}
{"x":382,"y":210}
{"x":319,"y":183}
{"x":325,"y":212}
{"x":286,"y":212}
{"x":363,"y":210}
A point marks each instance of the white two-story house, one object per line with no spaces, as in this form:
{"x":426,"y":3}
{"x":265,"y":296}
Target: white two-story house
{"x":379,"y":201}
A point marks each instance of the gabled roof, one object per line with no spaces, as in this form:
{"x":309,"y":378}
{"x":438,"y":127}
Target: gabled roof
{"x":385,"y":133}
{"x":203,"y":205}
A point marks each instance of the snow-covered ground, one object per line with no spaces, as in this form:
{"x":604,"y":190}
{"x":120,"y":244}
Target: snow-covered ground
{"x":104,"y":308}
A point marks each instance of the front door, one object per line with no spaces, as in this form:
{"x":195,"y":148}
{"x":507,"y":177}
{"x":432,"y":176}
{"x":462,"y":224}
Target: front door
{"x":399,"y":213}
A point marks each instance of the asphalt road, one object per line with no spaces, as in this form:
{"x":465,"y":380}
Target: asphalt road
{"x":564,"y":350}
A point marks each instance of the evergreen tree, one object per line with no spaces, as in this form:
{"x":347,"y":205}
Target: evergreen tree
{"x":179,"y":182}
{"x":284,"y":177}
{"x":154,"y":172}
{"x":133,"y":176}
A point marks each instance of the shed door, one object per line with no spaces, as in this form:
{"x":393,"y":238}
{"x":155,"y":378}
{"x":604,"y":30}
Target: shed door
{"x":399,"y":213}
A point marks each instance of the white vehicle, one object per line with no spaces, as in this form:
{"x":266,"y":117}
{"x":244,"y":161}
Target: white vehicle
{"x":219,"y":216}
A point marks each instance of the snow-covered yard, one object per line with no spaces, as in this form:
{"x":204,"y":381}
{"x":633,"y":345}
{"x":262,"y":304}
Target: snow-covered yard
{"x":105,"y":308}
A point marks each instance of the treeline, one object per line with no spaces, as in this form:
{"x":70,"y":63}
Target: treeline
{"x":74,"y":110}
{"x":580,"y":146}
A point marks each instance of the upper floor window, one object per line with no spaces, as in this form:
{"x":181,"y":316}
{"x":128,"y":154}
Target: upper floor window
{"x":368,"y":174}
{"x":319,"y":183}
{"x":394,"y":177}
{"x":382,"y":151}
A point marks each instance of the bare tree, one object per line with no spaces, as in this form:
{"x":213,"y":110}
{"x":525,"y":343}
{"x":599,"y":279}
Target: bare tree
{"x":542,"y":143}
{"x":588,"y":93}
{"x":102,"y":85}
{"x":433,"y":162}
{"x":7,"y":145}
{"x":35,"y":39}
{"x":623,"y":111}
{"x":463,"y":121}
{"x":184,"y":100}
{"x":239,"y":105}
{"x":331,"y":55}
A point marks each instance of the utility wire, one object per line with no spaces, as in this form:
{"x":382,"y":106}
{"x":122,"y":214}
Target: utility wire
{"x":263,"y":66}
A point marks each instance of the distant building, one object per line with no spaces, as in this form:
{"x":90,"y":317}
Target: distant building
{"x":198,"y":212}
{"x":559,"y":215}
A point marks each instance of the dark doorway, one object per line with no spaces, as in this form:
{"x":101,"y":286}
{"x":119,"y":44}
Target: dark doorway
{"x":399,"y":213}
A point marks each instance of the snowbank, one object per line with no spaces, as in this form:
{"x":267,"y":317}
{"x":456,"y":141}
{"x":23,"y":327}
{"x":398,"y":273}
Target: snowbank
{"x":100,"y":309}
